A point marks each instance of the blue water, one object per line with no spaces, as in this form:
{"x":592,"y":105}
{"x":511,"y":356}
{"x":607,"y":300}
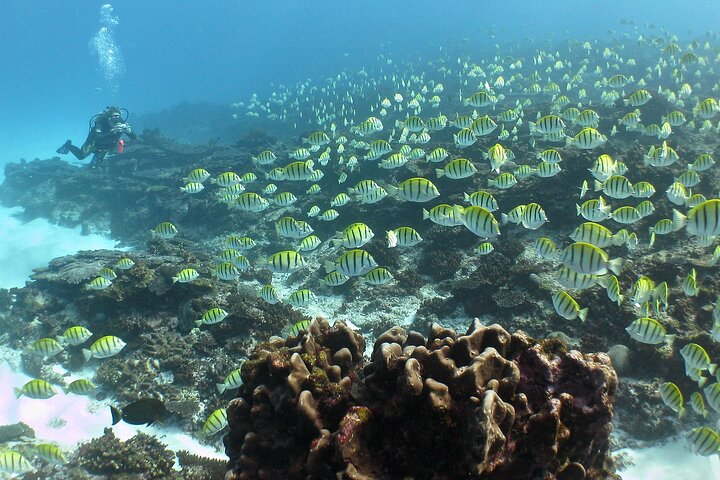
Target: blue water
{"x":54,"y":78}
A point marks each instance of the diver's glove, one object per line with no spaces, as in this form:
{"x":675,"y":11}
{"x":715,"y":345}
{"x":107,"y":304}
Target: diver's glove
{"x":126,"y":129}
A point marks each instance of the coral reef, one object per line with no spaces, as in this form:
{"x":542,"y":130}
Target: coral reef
{"x":641,"y":413}
{"x":142,"y":454}
{"x":497,"y":282}
{"x":487,"y":404}
{"x":438,"y":280}
{"x":139,"y":190}
{"x":166,"y":357}
{"x":15,"y":431}
{"x":256,"y":140}
{"x":195,"y":467}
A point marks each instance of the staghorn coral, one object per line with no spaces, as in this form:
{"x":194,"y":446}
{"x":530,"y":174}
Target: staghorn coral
{"x":14,"y":432}
{"x":195,"y":467}
{"x":142,"y":454}
{"x":484,"y":405}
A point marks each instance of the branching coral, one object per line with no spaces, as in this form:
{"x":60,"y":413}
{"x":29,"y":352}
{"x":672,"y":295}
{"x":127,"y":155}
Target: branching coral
{"x":142,"y":454}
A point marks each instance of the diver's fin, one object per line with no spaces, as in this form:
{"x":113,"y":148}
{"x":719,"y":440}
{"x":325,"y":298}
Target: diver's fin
{"x":63,"y":150}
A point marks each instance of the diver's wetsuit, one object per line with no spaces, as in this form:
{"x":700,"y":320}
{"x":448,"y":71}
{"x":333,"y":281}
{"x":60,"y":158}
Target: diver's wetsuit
{"x":102,"y":138}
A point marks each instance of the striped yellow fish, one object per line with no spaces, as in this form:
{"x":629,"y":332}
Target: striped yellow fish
{"x":232,"y":381}
{"x":672,"y":397}
{"x":286,"y":261}
{"x":704,"y":441}
{"x":37,"y":388}
{"x":416,"y":189}
{"x":216,"y":422}
{"x":702,"y":220}
{"x":104,"y":347}
{"x":648,"y":330}
{"x":583,"y":257}
{"x":567,"y":307}
{"x":352,"y":263}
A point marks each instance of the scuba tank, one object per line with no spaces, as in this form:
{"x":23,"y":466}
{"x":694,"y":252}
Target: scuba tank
{"x":124,"y":115}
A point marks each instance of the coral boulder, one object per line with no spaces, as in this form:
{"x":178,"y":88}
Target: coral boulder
{"x":486,"y":405}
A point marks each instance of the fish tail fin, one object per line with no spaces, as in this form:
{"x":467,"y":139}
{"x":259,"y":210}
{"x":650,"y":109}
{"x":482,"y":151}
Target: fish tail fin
{"x":615,"y":265}
{"x":18,"y":392}
{"x":711,"y":368}
{"x":679,"y":220}
{"x":87,"y":353}
{"x":220,"y":387}
{"x":116,"y":415}
{"x":198,"y":323}
{"x":439,"y":172}
{"x":459,"y":212}
{"x":582,"y":314}
{"x":330,"y":266}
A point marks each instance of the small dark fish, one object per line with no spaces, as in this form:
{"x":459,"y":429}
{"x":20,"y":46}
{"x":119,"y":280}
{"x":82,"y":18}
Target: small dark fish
{"x":145,"y":411}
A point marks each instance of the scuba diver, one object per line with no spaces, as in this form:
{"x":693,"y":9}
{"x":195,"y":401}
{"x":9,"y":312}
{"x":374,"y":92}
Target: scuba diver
{"x":106,"y":128}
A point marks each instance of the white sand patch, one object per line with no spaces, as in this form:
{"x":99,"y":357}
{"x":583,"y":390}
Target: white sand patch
{"x":33,"y":244}
{"x":671,"y":461}
{"x":71,"y":419}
